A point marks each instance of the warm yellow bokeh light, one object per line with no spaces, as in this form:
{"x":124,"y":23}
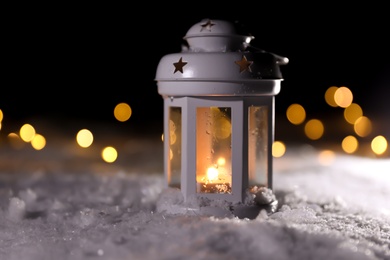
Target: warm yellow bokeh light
{"x":362,"y":126}
{"x":1,"y":115}
{"x":27,"y":132}
{"x":296,"y":114}
{"x":278,"y":149}
{"x":343,"y":97}
{"x":223,"y":129}
{"x":221,"y":161}
{"x":172,"y":132}
{"x":329,"y":96}
{"x":84,"y":138}
{"x":352,"y":113}
{"x":38,"y":142}
{"x":173,"y":138}
{"x":326,"y":157}
{"x":350,"y":144}
{"x":314,"y":129}
{"x":122,"y":112}
{"x":379,"y":145}
{"x":109,"y":154}
{"x":15,"y":141}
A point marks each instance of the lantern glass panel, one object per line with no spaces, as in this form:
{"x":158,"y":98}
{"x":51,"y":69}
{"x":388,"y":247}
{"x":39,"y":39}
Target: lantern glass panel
{"x":174,"y":139}
{"x":258,"y":146}
{"x":213,"y":150}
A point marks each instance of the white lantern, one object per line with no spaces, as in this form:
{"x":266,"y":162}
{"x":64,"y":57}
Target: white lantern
{"x":219,"y":115}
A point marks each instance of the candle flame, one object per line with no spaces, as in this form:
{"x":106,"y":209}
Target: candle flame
{"x":212,"y":174}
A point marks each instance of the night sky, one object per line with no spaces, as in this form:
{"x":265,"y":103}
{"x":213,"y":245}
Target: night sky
{"x":78,"y":62}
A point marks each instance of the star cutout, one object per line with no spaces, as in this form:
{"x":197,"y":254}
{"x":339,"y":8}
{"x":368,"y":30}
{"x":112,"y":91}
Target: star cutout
{"x":207,"y":26}
{"x":244,"y":64}
{"x":179,"y":65}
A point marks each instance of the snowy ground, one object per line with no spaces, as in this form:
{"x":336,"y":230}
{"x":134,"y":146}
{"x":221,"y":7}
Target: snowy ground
{"x":60,"y":206}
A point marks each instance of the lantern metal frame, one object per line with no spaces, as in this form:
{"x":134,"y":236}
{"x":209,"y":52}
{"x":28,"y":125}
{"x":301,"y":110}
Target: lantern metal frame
{"x":240,"y":139}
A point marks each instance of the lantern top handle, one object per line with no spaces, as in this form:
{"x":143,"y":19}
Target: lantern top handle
{"x":221,"y":36}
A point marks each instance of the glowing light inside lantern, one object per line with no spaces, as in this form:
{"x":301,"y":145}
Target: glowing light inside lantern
{"x":212,"y":174}
{"x":214,"y":131}
{"x":221,"y":161}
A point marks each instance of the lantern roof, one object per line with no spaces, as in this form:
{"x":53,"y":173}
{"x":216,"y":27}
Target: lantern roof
{"x":219,"y":60}
{"x":217,"y":35}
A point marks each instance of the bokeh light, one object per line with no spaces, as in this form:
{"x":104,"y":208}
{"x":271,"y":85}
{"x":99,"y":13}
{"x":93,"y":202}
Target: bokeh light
{"x":224,"y":128}
{"x":326,"y":157}
{"x":379,"y":145}
{"x":38,"y":142}
{"x":221,"y":161}
{"x":27,"y":132}
{"x":172,"y":132}
{"x":84,"y":138}
{"x":362,"y":126}
{"x":352,"y":113}
{"x":314,"y":129}
{"x":350,"y":144}
{"x":329,"y":96}
{"x":122,"y":112}
{"x":109,"y":154}
{"x":296,"y":114}
{"x":15,"y":141}
{"x":278,"y":149}
{"x":343,"y":97}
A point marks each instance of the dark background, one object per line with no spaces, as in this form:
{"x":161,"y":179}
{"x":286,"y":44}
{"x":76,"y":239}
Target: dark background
{"x":77,"y":62}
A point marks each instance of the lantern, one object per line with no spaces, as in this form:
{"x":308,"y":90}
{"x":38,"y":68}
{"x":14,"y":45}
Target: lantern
{"x":219,"y":115}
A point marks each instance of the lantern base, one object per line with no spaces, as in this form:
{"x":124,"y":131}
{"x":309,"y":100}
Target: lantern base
{"x":240,"y":210}
{"x":252,"y":211}
{"x":171,"y":201}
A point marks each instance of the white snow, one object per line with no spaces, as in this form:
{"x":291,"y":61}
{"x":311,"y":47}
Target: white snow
{"x":81,"y":209}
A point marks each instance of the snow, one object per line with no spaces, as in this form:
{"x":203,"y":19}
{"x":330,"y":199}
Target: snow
{"x":58,"y":206}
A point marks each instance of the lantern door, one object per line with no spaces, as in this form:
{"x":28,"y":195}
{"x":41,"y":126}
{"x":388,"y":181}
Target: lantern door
{"x":218,"y":147}
{"x":215,"y":137}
